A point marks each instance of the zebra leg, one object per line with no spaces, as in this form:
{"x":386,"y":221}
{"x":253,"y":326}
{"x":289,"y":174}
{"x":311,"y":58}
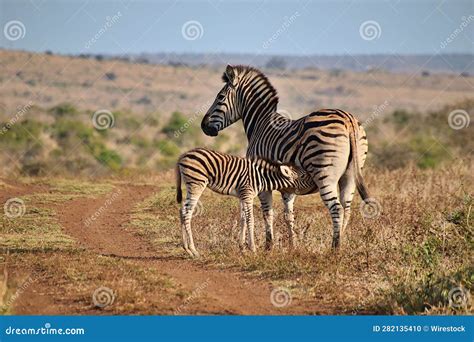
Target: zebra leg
{"x":243,"y":227}
{"x":192,"y":198}
{"x":248,"y":211}
{"x":266,"y":201}
{"x":330,"y":197}
{"x":347,"y":186}
{"x":288,"y":202}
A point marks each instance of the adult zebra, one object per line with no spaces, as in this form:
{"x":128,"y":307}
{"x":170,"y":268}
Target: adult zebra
{"x":330,"y":144}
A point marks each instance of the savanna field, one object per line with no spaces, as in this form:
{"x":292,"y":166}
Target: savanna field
{"x":90,"y":222}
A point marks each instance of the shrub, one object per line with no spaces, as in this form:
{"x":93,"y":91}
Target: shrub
{"x":168,"y":148}
{"x":63,"y":109}
{"x":174,"y":124}
{"x":22,"y":135}
{"x":110,"y":159}
{"x":110,"y":76}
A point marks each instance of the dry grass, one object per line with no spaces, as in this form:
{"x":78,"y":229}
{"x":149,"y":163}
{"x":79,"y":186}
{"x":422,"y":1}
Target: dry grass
{"x":404,"y":261}
{"x":49,"y":80}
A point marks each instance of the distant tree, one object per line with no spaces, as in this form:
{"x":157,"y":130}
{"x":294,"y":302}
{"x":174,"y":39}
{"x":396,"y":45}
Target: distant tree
{"x":276,"y":63}
{"x":110,"y":76}
{"x":142,"y":60}
{"x":48,"y":52}
{"x":464,"y":74}
{"x":425,"y":73}
{"x":99,"y":58}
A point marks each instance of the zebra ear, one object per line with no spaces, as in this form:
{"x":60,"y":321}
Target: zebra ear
{"x":229,"y":74}
{"x":285,"y":171}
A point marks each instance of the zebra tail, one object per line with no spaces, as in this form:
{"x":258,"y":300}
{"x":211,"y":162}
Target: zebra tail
{"x":179,"y":193}
{"x":360,"y":184}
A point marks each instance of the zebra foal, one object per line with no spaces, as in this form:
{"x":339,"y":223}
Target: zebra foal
{"x":230,"y":175}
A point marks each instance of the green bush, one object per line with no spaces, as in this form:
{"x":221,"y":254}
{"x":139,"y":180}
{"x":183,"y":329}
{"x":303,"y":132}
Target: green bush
{"x":63,"y":109}
{"x":22,"y":135}
{"x":168,"y":148}
{"x":176,"y":122}
{"x":110,"y":159}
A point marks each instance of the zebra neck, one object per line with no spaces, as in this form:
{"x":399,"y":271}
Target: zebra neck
{"x":258,"y":105}
{"x":257,"y":122}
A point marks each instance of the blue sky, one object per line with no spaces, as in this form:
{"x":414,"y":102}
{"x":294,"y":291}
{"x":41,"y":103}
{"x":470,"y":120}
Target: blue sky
{"x":297,"y":27}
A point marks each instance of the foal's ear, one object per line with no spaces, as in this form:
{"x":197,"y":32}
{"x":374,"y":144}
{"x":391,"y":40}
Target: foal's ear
{"x":285,"y":171}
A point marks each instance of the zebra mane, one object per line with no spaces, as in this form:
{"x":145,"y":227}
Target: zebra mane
{"x":246,"y":70}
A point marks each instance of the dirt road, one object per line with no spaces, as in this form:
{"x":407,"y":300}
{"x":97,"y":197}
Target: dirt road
{"x":226,"y":291}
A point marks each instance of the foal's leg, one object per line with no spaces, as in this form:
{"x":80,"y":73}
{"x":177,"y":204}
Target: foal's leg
{"x":243,"y":227}
{"x":288,"y":202}
{"x":248,"y":211}
{"x":267,"y":210}
{"x":193,"y":194}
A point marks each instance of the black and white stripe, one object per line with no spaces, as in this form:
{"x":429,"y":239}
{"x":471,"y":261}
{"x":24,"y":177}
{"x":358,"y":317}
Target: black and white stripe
{"x":244,"y":178}
{"x":330,"y":144}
